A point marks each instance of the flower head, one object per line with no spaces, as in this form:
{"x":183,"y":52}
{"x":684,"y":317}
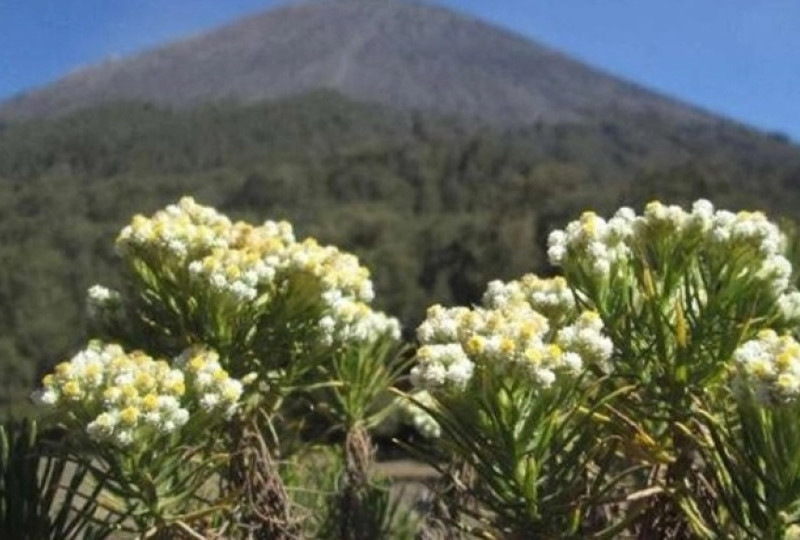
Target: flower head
{"x":127,"y":398}
{"x":769,"y":367}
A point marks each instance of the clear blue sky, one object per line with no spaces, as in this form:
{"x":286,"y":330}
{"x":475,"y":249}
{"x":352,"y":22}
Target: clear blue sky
{"x":740,"y":58}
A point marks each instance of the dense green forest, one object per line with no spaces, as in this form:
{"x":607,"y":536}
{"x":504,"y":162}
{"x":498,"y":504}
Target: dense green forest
{"x":435,"y":207}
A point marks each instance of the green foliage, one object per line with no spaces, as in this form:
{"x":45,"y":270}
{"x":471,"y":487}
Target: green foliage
{"x":436,"y":208}
{"x":43,"y":493}
{"x":290,"y":315}
{"x":682,"y":424}
{"x":756,"y":453}
{"x":364,"y":377}
{"x":140,"y":428}
{"x":528,"y":451}
{"x":314,"y":479}
{"x":679,"y":292}
{"x":652,"y":390}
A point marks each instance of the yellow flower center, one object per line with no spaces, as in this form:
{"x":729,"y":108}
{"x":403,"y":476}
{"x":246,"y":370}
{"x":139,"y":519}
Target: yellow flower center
{"x":534,"y":356}
{"x":476,"y":344}
{"x":72,"y":389}
{"x":150,"y":402}
{"x":197,"y":363}
{"x":129,"y":416}
{"x":507,"y":346}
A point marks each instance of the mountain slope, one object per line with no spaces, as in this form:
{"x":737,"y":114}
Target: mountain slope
{"x":399,"y":53}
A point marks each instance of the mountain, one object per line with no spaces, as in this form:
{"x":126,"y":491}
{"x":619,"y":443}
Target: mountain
{"x":400,"y":53}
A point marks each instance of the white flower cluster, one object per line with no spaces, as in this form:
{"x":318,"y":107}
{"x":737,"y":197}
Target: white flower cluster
{"x":418,"y":417}
{"x":336,"y":270}
{"x":672,"y":221}
{"x":243,"y":263}
{"x":551,"y":297}
{"x":102,"y":302}
{"x":442,"y":325}
{"x":789,"y":305}
{"x":605,"y":243}
{"x":234,"y":272}
{"x":750,"y":231}
{"x":130,"y":398}
{"x":511,"y":340}
{"x":585,"y":338}
{"x":748,"y":239}
{"x":350,"y":321}
{"x":207,"y":383}
{"x":769,"y":366}
{"x":442,"y":365}
{"x":751,"y":236}
{"x":179,"y":230}
{"x":269,"y":237}
{"x":599,"y":243}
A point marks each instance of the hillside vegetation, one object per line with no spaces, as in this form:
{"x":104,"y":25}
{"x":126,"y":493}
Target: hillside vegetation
{"x":435,"y":207}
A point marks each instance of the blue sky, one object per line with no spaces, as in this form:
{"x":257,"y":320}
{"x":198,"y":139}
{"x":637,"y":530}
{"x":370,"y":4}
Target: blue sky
{"x":740,"y":58}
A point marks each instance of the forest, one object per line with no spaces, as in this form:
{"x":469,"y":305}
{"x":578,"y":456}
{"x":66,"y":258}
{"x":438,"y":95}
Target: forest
{"x":435,"y":207}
